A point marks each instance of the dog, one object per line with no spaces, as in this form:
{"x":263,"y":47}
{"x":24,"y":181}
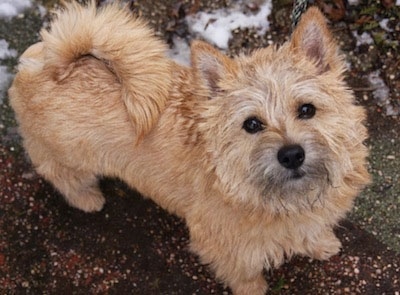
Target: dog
{"x":261,"y":154}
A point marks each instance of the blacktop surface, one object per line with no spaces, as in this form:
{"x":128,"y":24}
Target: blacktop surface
{"x":135,"y":247}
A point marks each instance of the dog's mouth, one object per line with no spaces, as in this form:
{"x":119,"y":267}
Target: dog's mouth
{"x":297,"y":174}
{"x":297,"y":189}
{"x":296,"y":181}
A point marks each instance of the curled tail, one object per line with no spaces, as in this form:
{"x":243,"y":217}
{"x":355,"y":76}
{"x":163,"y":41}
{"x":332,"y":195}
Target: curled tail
{"x":123,"y":42}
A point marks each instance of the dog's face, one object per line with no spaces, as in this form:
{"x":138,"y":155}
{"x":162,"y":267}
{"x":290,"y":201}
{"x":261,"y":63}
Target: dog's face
{"x":282,"y":130}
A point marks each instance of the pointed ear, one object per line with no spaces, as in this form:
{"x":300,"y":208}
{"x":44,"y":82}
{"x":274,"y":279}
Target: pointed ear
{"x":313,"y":39}
{"x":210,"y":67}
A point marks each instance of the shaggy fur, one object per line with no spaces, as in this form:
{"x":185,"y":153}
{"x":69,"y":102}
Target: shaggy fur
{"x":98,"y":96}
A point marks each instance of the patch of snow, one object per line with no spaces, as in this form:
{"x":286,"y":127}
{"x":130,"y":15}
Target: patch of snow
{"x":5,"y":76}
{"x":5,"y":80}
{"x":364,"y":38}
{"x":353,"y":2}
{"x":381,"y":93}
{"x":398,"y":2}
{"x":180,"y":52}
{"x":384,"y":25}
{"x":216,"y":27}
{"x":42,"y":10}
{"x":5,"y":52}
{"x":11,"y":8}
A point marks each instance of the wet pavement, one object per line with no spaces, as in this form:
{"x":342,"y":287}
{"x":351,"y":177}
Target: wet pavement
{"x":134,"y":247}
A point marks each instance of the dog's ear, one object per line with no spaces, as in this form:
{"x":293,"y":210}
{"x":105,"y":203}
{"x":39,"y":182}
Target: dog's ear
{"x":313,"y":39}
{"x":210,"y":67}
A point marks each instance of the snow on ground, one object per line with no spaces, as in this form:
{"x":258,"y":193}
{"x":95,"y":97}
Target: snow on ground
{"x":216,"y":26}
{"x":8,"y":10}
{"x":381,"y":92}
{"x":5,"y":76}
{"x":180,"y":51}
{"x":5,"y":79}
{"x":11,"y":8}
{"x":5,"y":52}
{"x":364,"y":38}
{"x":384,"y":25}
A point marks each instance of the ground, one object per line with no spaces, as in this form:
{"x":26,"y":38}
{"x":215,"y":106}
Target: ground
{"x":134,"y":247}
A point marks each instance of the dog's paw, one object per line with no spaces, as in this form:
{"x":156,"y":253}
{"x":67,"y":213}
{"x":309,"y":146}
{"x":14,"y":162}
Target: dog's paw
{"x":89,"y":201}
{"x":257,"y":286}
{"x":327,"y":246}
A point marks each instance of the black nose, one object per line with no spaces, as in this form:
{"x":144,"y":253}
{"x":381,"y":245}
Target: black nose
{"x":291,"y":156}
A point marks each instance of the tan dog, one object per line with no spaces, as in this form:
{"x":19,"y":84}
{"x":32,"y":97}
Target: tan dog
{"x":261,"y":154}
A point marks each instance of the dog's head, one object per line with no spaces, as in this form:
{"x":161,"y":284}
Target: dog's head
{"x":280,"y":126}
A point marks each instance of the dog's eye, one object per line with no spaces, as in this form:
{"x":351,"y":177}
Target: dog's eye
{"x":306,"y":111}
{"x":253,"y":125}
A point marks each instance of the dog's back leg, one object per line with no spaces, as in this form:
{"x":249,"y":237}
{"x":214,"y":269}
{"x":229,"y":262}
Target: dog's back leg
{"x":80,"y":188}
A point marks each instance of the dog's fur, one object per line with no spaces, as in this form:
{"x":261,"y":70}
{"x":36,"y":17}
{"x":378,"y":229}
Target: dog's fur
{"x":98,"y":96}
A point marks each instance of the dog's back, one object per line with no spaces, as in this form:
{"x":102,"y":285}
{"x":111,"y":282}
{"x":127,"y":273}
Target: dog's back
{"x":97,"y":82}
{"x":123,"y":43}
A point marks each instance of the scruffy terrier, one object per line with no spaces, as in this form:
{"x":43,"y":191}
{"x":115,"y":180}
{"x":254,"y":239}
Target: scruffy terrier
{"x":262,"y":154}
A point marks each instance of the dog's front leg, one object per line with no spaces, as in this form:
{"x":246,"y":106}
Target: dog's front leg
{"x":233,"y":261}
{"x":324,"y":246}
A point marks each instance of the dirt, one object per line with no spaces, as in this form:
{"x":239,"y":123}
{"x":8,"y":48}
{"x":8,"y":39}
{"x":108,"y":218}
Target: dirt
{"x":134,"y":247}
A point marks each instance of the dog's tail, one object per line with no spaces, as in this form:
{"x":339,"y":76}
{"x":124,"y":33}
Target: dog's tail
{"x":124,"y":43}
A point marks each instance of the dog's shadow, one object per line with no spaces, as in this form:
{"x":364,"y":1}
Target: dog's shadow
{"x":131,"y":241}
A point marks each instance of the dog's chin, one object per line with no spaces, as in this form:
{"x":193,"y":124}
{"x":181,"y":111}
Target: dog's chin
{"x":296,"y":184}
{"x":297,"y":174}
{"x":290,"y":178}
{"x":294,"y":190}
